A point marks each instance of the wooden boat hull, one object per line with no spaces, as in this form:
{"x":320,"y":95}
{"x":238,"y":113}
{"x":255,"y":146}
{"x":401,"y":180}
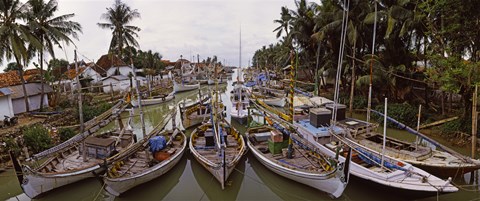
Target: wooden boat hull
{"x":445,"y":172}
{"x":329,"y":183}
{"x":278,"y":102}
{"x":239,"y":116}
{"x":220,"y":173}
{"x":120,"y":185}
{"x":35,"y":184}
{"x":212,"y":82}
{"x":153,"y":101}
{"x":186,"y":87}
{"x":399,"y":180}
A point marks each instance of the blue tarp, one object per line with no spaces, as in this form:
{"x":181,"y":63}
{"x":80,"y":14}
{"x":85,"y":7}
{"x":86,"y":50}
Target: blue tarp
{"x":250,"y":83}
{"x":157,"y":143}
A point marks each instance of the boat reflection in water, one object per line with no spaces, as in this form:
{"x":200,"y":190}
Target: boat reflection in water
{"x":278,"y":184}
{"x":211,"y":188}
{"x":157,"y":189}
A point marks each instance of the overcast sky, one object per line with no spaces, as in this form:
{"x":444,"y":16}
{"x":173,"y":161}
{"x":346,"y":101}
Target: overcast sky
{"x":181,"y":27}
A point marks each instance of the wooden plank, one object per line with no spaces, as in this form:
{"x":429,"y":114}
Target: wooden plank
{"x":438,"y":122}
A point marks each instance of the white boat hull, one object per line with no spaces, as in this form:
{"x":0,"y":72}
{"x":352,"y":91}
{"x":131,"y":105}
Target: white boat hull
{"x":35,"y":184}
{"x":398,"y":179}
{"x":184,"y":87}
{"x":329,"y":183}
{"x":120,"y":185}
{"x":278,"y":102}
{"x":153,"y":101}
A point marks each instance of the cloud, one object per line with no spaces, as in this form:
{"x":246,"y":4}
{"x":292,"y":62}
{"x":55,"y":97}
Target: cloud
{"x":181,"y":27}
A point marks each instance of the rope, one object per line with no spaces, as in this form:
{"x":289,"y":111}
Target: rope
{"x":101,"y":189}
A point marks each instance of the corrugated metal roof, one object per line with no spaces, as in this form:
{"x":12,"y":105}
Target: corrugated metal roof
{"x":5,"y":91}
{"x":32,"y":89}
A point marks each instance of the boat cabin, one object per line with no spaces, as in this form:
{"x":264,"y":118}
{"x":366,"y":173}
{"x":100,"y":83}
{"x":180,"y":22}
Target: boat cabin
{"x":99,"y":148}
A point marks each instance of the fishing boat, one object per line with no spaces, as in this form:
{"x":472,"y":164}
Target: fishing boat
{"x":306,"y":165}
{"x":366,"y":163}
{"x":154,"y":100}
{"x":181,"y":87}
{"x":434,"y":157}
{"x":195,"y":113}
{"x":222,"y":80}
{"x":148,"y":159}
{"x":68,"y":163}
{"x":269,"y":97}
{"x":217,"y":146}
{"x":240,"y":103}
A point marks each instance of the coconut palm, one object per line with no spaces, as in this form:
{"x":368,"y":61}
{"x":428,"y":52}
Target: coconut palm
{"x":49,"y":29}
{"x":119,"y":17}
{"x":15,"y":37}
{"x":285,"y":24}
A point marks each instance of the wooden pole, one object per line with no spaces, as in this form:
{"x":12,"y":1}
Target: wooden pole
{"x":111,"y":91}
{"x":474,"y":121}
{"x":417,"y":140}
{"x":80,"y":106}
{"x":384,"y":133}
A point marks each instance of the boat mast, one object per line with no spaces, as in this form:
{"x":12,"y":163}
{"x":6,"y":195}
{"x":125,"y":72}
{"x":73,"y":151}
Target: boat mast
{"x":384,"y":133}
{"x":369,"y":107}
{"x":139,"y":97}
{"x":239,"y":70}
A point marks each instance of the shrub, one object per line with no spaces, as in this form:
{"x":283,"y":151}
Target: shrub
{"x":90,"y":112}
{"x":65,"y":134}
{"x":36,"y":137}
{"x":11,"y":144}
{"x":403,"y":113}
{"x":359,"y":102}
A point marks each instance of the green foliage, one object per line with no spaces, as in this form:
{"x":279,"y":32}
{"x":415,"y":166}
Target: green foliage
{"x":404,"y":113}
{"x":10,"y":144}
{"x":64,"y":103}
{"x":90,"y":112}
{"x":453,"y":126}
{"x":11,"y":66}
{"x":36,"y":138}
{"x":65,"y":134}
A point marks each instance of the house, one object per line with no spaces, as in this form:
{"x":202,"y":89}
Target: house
{"x":11,"y":81}
{"x":118,"y":82}
{"x":33,"y":94}
{"x":106,"y":62}
{"x":6,"y":107}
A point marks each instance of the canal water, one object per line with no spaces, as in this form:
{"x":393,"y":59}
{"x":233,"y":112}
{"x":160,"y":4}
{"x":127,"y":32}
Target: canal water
{"x":188,"y":180}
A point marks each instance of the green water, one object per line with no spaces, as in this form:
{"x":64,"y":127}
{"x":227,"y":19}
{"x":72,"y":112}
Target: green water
{"x":188,"y":180}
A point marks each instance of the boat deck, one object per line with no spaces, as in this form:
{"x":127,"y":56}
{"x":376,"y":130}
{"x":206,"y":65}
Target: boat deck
{"x":140,"y":161}
{"x":303,"y":160}
{"x":231,"y":151}
{"x":69,"y":162}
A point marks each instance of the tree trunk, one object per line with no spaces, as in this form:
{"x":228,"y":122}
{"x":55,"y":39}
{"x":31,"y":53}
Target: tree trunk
{"x":20,"y":73}
{"x":352,"y":87}
{"x":443,"y":103}
{"x":42,"y":92}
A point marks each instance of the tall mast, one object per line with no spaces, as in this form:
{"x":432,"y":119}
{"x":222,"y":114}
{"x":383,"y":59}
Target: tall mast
{"x":371,"y":65}
{"x":239,"y":70}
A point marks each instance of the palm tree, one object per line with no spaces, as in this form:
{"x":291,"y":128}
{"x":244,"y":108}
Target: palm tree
{"x":119,"y":17}
{"x":15,"y":37}
{"x":285,"y":24}
{"x":50,"y":30}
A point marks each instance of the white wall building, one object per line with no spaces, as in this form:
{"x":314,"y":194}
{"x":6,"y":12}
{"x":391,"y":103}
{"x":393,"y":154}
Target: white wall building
{"x":118,"y":82}
{"x":33,"y":94}
{"x":6,"y":107}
